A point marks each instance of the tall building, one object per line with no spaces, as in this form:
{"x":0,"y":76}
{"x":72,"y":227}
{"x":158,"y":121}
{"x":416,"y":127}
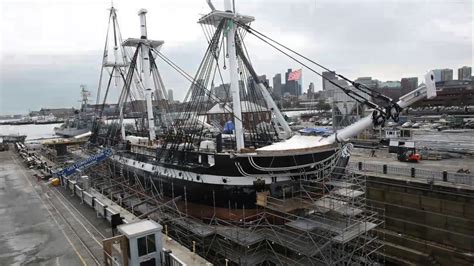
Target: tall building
{"x":391,"y":85}
{"x":222,"y":91}
{"x":391,"y":89}
{"x":198,"y":89}
{"x":409,"y":84}
{"x":328,"y":75}
{"x":465,"y":73}
{"x":443,"y":74}
{"x":288,"y":87}
{"x":332,"y":89}
{"x":277,"y":86}
{"x":310,"y":92}
{"x":447,"y":74}
{"x":287,"y":74}
{"x":368,"y":82}
{"x":170,"y":95}
{"x":263,"y":78}
{"x":292,"y":87}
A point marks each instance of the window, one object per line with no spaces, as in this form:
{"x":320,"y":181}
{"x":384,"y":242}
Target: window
{"x":142,"y":251}
{"x":146,"y":245}
{"x":150,"y":240}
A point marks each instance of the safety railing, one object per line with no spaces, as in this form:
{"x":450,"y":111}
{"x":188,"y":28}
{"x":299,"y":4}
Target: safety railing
{"x":413,"y":172}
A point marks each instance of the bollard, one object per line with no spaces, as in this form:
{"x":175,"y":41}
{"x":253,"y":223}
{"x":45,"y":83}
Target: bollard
{"x":413,"y":172}
{"x":194,"y":246}
{"x":384,"y":169}
{"x":445,"y":176}
{"x":360,"y":166}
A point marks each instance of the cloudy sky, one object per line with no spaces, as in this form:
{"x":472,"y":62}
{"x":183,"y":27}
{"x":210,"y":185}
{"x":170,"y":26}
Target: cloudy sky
{"x":49,"y":47}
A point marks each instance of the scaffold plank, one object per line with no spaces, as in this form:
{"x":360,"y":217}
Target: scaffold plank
{"x":341,"y":184}
{"x":354,"y":232}
{"x":329,"y":203}
{"x":240,"y":235}
{"x":348,"y":211}
{"x":197,"y":228}
{"x":346,"y":192}
{"x":315,"y":222}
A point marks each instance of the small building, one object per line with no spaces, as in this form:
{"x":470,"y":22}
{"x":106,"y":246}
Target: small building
{"x":144,"y":242}
{"x":252,"y":114}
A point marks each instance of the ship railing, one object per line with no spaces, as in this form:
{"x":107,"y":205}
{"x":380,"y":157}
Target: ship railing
{"x":321,"y":169}
{"x":289,"y":168}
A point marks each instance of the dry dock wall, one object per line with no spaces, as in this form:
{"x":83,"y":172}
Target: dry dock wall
{"x":425,"y":223}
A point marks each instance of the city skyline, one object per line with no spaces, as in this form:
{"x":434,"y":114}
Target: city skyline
{"x":47,"y":62}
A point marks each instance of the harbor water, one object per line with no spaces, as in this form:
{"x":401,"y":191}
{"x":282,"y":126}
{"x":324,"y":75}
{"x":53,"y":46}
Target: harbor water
{"x":31,"y":131}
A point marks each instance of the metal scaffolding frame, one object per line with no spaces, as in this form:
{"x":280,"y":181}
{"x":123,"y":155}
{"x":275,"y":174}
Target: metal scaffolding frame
{"x":323,"y":219}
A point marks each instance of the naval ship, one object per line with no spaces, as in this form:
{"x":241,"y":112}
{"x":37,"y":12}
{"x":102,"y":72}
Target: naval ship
{"x":80,"y":123}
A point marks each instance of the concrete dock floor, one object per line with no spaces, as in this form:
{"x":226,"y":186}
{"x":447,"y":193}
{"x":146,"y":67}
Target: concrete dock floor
{"x":383,"y":157}
{"x":44,"y":225}
{"x":29,"y":231}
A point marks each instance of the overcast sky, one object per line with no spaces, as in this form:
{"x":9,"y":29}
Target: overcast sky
{"x":49,"y":48}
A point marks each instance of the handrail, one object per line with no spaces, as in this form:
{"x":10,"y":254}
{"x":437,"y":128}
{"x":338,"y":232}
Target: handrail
{"x":413,"y":172}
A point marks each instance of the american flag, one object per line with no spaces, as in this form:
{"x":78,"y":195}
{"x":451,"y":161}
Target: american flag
{"x":295,"y":75}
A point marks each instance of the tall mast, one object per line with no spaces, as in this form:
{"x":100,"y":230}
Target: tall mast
{"x":145,"y":55}
{"x":231,"y":18}
{"x":116,"y":64}
{"x":116,"y":69}
{"x":144,"y":44}
{"x":234,"y":79}
{"x":84,"y":97}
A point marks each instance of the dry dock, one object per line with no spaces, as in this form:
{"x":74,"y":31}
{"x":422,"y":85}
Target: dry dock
{"x":428,"y":221}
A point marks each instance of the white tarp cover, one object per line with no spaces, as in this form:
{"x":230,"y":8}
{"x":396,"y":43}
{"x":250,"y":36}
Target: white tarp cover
{"x":296,"y":142}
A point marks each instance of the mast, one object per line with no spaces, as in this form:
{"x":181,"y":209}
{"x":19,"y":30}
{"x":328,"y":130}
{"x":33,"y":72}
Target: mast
{"x":116,"y":65}
{"x":234,"y":80}
{"x":145,"y":55}
{"x":231,"y":17}
{"x":145,"y":44}
{"x":117,"y":69}
{"x":84,"y":97}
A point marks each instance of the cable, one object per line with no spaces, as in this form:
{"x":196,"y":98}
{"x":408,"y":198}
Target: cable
{"x":357,"y":85}
{"x":349,"y":93}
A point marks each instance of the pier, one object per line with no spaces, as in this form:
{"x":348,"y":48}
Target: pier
{"x":54,"y":225}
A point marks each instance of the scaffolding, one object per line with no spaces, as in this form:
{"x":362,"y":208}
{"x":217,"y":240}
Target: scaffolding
{"x":320,"y":220}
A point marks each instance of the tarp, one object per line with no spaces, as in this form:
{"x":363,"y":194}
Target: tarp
{"x":229,"y":127}
{"x":315,"y":131}
{"x":86,"y":163}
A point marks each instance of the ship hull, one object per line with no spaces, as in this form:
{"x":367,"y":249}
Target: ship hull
{"x":210,"y":195}
{"x":229,"y":186}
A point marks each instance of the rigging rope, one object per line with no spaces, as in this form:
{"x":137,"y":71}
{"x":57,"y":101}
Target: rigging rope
{"x":357,"y":85}
{"x":391,"y":110}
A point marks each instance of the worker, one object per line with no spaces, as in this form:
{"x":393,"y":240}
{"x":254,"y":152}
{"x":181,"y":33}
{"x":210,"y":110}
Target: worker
{"x":372,"y":153}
